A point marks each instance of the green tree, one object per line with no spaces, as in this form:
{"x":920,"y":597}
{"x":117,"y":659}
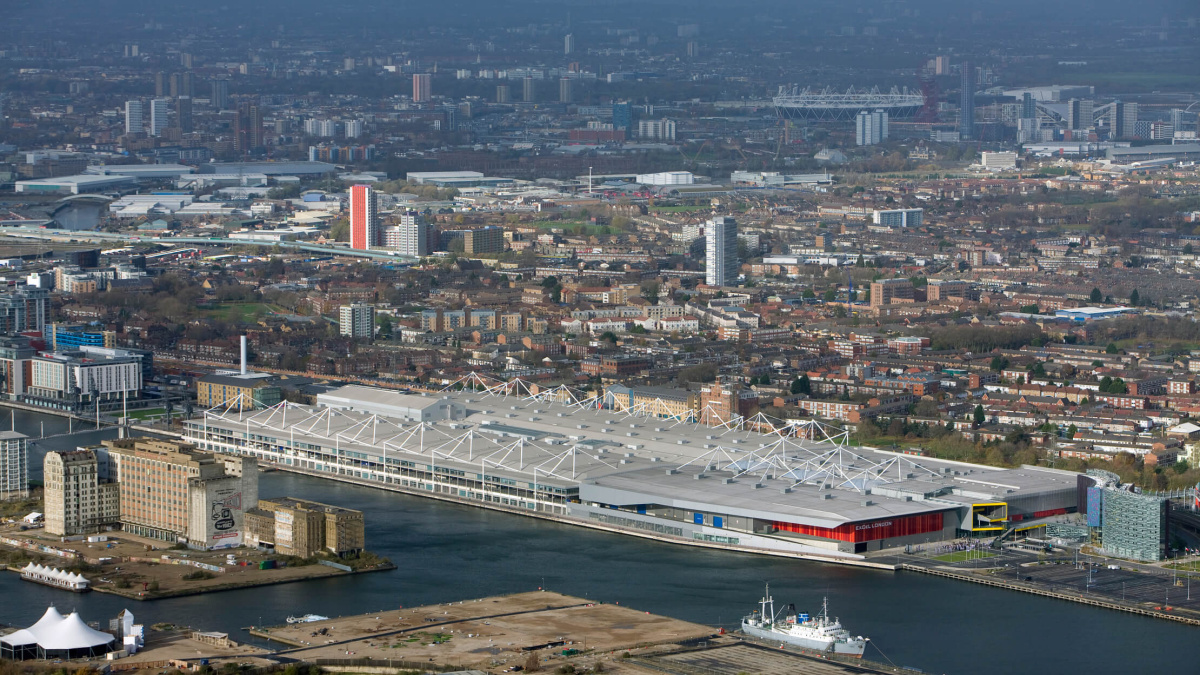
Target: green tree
{"x":796,"y":387}
{"x":550,"y":282}
{"x":1111,"y":349}
{"x":610,"y":336}
{"x":384,"y":321}
{"x":1135,"y":298}
{"x":980,"y":416}
{"x":1096,"y":296}
{"x":1105,"y":383}
{"x":765,"y":379}
{"x":830,"y":295}
{"x":1030,"y":309}
{"x":650,"y":291}
{"x":340,"y":230}
{"x":1072,"y":430}
{"x":805,"y":385}
{"x":999,"y":363}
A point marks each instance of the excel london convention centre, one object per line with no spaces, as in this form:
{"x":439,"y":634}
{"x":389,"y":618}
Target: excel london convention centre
{"x":797,"y":488}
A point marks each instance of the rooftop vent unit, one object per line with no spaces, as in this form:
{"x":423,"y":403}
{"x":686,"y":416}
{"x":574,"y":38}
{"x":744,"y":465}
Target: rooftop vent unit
{"x":510,"y":414}
{"x":867,"y":502}
{"x":727,"y":481}
{"x":681,"y":441}
{"x":786,"y":491}
{"x":656,"y":459}
{"x":826,"y":496}
{"x":672,"y":472}
{"x":626,"y":461}
{"x":560,"y":415}
{"x":629,"y":454}
{"x":758,"y":486}
{"x":698,"y":476}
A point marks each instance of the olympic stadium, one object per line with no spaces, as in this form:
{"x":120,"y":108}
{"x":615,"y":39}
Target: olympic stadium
{"x":831,"y":105}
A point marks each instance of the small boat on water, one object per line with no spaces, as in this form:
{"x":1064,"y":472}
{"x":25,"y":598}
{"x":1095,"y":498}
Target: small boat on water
{"x":307,"y":618}
{"x":819,"y":632}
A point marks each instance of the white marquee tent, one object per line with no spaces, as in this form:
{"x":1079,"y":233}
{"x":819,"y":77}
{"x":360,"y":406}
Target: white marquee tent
{"x":55,"y":636}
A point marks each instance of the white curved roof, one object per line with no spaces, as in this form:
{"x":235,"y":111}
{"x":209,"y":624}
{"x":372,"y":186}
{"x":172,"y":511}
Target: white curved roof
{"x":49,"y":620}
{"x":54,"y":573}
{"x":54,"y":632}
{"x":19,"y":638}
{"x":73,"y":633}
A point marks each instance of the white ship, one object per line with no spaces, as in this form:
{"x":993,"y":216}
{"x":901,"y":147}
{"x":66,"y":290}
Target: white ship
{"x":818,"y":632}
{"x":307,"y":618}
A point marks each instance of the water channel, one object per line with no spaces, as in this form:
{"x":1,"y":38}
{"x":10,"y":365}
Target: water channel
{"x":448,"y":552}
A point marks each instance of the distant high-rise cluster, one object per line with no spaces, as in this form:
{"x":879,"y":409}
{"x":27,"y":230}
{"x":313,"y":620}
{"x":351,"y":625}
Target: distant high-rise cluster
{"x":871,"y":128}
{"x":659,"y":130}
{"x":422,"y":88}
{"x":158,"y":115}
{"x":133,"y":117}
{"x":219,"y":98}
{"x":721,"y":248}
{"x":364,"y":218}
{"x":966,"y":102}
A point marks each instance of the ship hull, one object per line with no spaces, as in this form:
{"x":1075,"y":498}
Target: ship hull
{"x":854,"y":649}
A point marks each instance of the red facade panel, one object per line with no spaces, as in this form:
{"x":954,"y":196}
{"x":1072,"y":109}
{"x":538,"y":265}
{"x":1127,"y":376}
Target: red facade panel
{"x":360,"y":230}
{"x":870,"y":530}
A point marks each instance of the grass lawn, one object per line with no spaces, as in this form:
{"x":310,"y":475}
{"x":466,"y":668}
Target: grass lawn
{"x":573,"y":227}
{"x":960,"y":556}
{"x":1159,"y":345}
{"x":238,"y":312}
{"x":1189,"y":566}
{"x":147,"y":413}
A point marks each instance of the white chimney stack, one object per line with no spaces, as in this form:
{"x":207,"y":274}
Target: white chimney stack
{"x":243,"y":355}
